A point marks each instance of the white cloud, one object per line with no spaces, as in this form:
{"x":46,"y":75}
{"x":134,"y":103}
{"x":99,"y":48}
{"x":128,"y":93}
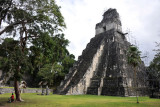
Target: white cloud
{"x":140,"y":16}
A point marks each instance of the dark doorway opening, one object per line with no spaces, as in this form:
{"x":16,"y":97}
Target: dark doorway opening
{"x":104,"y":28}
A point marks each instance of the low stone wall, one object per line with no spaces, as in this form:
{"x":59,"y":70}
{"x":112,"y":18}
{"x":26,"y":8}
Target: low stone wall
{"x":27,"y":90}
{"x":6,"y":90}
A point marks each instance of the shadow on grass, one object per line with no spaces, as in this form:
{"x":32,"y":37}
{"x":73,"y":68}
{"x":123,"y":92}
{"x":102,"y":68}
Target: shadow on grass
{"x":114,"y":104}
{"x":3,"y":102}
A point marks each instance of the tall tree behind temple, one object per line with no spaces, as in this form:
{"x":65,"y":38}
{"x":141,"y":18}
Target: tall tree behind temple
{"x":134,"y":60}
{"x":28,"y":20}
{"x":155,"y":63}
{"x":154,"y":72}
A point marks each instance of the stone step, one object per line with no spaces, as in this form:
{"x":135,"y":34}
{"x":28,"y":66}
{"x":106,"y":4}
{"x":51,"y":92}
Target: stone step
{"x":110,"y":83}
{"x":92,"y":90}
{"x":95,"y":83}
{"x":113,"y":91}
{"x":96,"y":78}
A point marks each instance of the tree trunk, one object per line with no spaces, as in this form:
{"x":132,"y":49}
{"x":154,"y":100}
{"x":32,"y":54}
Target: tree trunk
{"x":136,"y":86}
{"x":17,"y":91}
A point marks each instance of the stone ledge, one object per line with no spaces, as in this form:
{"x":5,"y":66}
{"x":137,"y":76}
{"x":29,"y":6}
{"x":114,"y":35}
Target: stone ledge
{"x":10,"y":90}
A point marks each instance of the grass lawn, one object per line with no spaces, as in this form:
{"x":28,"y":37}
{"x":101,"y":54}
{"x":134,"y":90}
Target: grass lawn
{"x":33,"y":100}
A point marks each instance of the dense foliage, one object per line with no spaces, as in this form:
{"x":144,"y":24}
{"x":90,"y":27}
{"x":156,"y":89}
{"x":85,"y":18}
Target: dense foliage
{"x":134,"y":56}
{"x":11,"y":57}
{"x":155,"y":64}
{"x":50,"y":59}
{"x":154,"y":73}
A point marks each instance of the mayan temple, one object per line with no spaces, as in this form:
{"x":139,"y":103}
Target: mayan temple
{"x":102,"y":69}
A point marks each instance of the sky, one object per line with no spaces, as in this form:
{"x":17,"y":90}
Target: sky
{"x":140,"y":18}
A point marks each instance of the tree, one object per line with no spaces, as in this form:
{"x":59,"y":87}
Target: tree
{"x":28,"y":20}
{"x":15,"y":62}
{"x":155,"y":64}
{"x":154,"y":72}
{"x":134,"y":60}
{"x":50,"y":54}
{"x":49,"y":72}
{"x":6,"y":49}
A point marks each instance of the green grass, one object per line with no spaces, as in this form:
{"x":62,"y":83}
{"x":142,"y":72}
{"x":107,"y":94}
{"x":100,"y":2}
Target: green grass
{"x":33,"y":100}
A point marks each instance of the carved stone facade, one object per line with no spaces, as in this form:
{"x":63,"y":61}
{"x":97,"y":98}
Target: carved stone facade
{"x":102,"y":69}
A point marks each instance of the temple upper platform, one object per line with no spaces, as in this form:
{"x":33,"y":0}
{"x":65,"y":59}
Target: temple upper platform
{"x":110,"y":21}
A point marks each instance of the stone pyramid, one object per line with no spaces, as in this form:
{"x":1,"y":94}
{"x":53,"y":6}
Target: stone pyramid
{"x":102,"y":69}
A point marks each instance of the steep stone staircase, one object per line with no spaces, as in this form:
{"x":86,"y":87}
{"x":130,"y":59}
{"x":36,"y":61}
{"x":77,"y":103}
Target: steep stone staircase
{"x":94,"y":85}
